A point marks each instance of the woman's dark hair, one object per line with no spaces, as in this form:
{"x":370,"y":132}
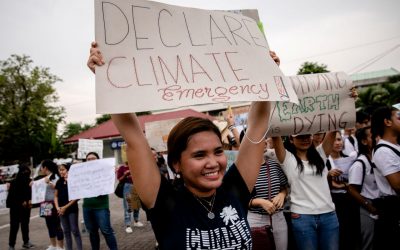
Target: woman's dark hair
{"x":52,"y":167}
{"x":24,"y":171}
{"x":66,"y":165}
{"x":312,"y":155}
{"x":361,"y":134}
{"x":378,"y":119}
{"x":92,"y":153}
{"x":182,"y":132}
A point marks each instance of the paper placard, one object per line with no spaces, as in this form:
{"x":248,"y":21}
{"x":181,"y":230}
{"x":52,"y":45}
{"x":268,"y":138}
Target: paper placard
{"x":3,"y":195}
{"x":38,"y":191}
{"x":86,"y":146}
{"x":91,"y":178}
{"x":160,"y":56}
{"x":324,"y":105}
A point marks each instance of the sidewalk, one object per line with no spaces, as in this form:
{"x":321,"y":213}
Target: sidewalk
{"x":141,"y":238}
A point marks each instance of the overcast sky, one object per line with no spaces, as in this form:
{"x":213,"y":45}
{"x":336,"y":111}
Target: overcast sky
{"x":344,"y":35}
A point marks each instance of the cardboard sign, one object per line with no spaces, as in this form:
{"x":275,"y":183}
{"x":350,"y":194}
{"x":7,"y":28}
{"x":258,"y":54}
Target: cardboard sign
{"x":86,"y":146}
{"x":157,"y":133}
{"x":91,"y":179}
{"x":160,"y":56}
{"x":324,"y":105}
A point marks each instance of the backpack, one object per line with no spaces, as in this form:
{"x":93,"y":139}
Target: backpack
{"x":387,"y":146}
{"x":364,"y":167}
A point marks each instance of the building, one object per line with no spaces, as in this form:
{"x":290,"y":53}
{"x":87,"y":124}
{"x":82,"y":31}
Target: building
{"x":111,"y":137}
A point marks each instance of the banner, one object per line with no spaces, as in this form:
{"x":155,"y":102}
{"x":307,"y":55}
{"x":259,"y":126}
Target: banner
{"x":91,"y":179}
{"x":324,"y":105}
{"x":86,"y":146}
{"x":160,"y":56}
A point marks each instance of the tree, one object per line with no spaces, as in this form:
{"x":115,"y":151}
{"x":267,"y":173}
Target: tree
{"x":386,"y":94}
{"x":72,"y":129}
{"x":311,"y":68}
{"x":103,"y":118}
{"x":28,"y":117}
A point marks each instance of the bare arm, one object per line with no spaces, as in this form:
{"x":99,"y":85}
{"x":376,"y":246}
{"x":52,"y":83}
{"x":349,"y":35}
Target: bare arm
{"x":327,"y":143}
{"x":280,"y":150}
{"x":394,"y":181}
{"x":143,"y":167}
{"x":250,"y":156}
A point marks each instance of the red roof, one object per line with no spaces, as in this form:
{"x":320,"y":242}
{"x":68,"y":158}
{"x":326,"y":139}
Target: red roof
{"x":108,"y":130}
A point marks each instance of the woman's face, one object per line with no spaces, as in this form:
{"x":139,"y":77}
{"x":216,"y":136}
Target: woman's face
{"x":302,"y":142}
{"x":63,"y":171}
{"x":368,"y":140}
{"x":91,"y":157}
{"x":202,"y":164}
{"x":338,"y":144}
{"x":45,"y":170}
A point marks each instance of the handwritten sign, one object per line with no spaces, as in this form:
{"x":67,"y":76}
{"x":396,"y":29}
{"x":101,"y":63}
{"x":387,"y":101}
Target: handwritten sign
{"x":86,"y":146}
{"x":324,"y":105}
{"x":160,"y":56}
{"x":157,"y":133}
{"x":39,"y":191}
{"x":231,"y":156}
{"x":3,"y":195}
{"x":91,"y":179}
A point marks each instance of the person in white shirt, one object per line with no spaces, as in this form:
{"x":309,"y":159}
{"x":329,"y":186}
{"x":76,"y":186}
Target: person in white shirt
{"x":362,"y":187}
{"x":385,"y":123}
{"x":314,"y":221}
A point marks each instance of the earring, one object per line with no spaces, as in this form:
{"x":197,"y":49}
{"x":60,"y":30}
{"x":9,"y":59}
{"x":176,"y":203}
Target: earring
{"x":178,"y":175}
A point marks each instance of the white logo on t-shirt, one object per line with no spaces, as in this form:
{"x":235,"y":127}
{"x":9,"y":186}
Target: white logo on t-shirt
{"x":229,"y":214}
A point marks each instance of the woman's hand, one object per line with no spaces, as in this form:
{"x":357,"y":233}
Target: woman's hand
{"x":61,"y":210}
{"x":275,"y":57}
{"x":279,"y":200}
{"x":268,"y":206}
{"x":95,"y":57}
{"x":354,"y":93}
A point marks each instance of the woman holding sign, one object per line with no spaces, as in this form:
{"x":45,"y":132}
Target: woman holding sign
{"x":314,"y":221}
{"x":209,"y":208}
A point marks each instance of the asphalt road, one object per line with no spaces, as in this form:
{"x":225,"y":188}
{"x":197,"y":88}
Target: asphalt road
{"x":141,"y":238}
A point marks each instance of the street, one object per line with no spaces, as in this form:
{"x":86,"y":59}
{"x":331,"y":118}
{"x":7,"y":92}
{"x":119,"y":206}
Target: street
{"x":141,"y":238}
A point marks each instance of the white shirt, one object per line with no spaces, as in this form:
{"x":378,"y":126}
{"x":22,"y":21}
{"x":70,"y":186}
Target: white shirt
{"x":347,"y":161}
{"x":369,"y":188}
{"x":348,"y":147}
{"x":310,"y":192}
{"x":387,"y":162}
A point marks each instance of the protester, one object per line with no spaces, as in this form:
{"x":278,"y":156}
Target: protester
{"x":313,"y":218}
{"x":362,"y":187}
{"x":19,"y":203}
{"x":66,"y":209}
{"x":347,"y":209}
{"x":210,"y":201}
{"x":56,"y":235}
{"x":385,"y":123}
{"x":267,"y":200}
{"x":124,"y":175}
{"x":318,"y":138}
{"x":96,"y":214}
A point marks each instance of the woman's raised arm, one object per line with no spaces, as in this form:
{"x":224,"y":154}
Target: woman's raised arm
{"x":142,"y":165}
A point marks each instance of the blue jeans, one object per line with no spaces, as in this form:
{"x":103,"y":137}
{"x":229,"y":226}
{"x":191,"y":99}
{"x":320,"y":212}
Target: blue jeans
{"x":70,"y":226}
{"x":127,"y":211}
{"x":96,"y":219}
{"x":316,"y":231}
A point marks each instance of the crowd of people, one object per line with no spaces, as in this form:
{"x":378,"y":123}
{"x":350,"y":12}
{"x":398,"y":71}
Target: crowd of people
{"x":333,"y":190}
